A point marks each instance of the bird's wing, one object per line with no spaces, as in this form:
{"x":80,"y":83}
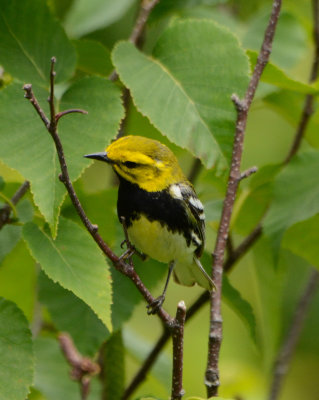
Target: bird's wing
{"x":195,"y":211}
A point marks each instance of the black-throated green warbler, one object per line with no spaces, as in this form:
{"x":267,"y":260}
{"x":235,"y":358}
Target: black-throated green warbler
{"x":162,"y":214}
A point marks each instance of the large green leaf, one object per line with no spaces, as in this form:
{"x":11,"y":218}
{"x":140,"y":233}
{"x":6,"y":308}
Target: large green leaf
{"x":185,"y":88}
{"x":26,"y":146}
{"x":296,"y":193}
{"x":87,"y":331}
{"x":73,"y":260}
{"x":29,"y":37}
{"x":88,"y":16}
{"x":302,"y":239}
{"x":16,"y":366}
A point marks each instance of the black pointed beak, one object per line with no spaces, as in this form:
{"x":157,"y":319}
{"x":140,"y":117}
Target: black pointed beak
{"x":99,"y":156}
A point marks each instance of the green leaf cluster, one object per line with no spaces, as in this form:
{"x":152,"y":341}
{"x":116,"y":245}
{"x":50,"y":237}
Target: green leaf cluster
{"x":192,"y":56}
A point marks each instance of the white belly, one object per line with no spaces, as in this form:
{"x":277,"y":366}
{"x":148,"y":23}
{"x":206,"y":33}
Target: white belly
{"x":157,"y":242}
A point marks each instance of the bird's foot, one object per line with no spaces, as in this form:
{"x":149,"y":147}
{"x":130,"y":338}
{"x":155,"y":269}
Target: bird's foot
{"x":154,"y":307}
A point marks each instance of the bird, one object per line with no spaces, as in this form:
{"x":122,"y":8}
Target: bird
{"x":159,"y":209}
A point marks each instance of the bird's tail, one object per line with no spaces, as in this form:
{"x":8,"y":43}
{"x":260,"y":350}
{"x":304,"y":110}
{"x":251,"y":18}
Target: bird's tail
{"x":189,"y":274}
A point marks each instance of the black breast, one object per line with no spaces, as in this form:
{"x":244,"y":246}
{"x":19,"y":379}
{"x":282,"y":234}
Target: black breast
{"x":160,"y":206}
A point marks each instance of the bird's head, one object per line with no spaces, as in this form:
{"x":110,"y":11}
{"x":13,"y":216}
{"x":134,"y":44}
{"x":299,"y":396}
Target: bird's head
{"x":146,"y":162}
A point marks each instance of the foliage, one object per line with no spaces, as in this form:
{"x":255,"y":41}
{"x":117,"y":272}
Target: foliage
{"x":192,"y":57}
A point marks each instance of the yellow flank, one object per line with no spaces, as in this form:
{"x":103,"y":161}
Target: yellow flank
{"x":158,"y":242}
{"x":156,"y":166}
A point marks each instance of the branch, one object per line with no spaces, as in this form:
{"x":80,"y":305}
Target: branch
{"x":82,"y":367}
{"x":291,"y":340}
{"x":309,"y":100}
{"x":242,"y":107}
{"x":145,"y":10}
{"x":119,"y":264}
{"x":5,"y":211}
{"x":178,"y":346}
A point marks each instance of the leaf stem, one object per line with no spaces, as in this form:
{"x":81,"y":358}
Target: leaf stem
{"x":119,"y":264}
{"x":242,"y":107}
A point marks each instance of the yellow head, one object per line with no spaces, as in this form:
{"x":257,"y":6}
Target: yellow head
{"x":143,"y":161}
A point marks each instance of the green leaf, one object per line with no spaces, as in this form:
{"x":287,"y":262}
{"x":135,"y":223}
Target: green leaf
{"x":83,"y":134}
{"x":302,"y":239}
{"x":84,"y":16}
{"x":289,"y":105}
{"x":240,"y":306}
{"x":52,"y":373}
{"x":256,"y":199}
{"x":72,"y":315}
{"x":26,"y":146}
{"x":2,"y":183}
{"x":93,"y":57}
{"x":185,"y":89}
{"x":275,"y":76}
{"x":290,"y":40}
{"x":17,"y":279}
{"x":16,"y":367}
{"x":75,"y":261}
{"x":295,"y":195}
{"x":29,"y":37}
{"x":113,"y":374}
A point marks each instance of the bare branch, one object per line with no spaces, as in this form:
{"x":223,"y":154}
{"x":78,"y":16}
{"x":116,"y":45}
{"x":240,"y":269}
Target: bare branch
{"x":119,"y":264}
{"x":242,"y":107}
{"x":145,"y":10}
{"x":5,"y":211}
{"x":308,"y":109}
{"x":292,"y":337}
{"x":178,"y":346}
{"x":82,"y":367}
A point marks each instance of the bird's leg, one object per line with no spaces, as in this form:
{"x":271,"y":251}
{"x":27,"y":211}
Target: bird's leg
{"x":157,"y":303}
{"x":128,"y":253}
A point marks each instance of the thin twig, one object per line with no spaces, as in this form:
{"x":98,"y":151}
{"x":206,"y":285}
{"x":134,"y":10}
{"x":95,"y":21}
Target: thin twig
{"x":292,"y":337}
{"x":119,"y":264}
{"x":242,"y":107}
{"x":145,"y":10}
{"x":71,"y":111}
{"x":308,"y":109}
{"x":5,"y":211}
{"x":178,"y":346}
{"x":82,"y":367}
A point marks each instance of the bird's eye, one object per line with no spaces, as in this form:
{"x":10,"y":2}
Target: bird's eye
{"x":130,"y":164}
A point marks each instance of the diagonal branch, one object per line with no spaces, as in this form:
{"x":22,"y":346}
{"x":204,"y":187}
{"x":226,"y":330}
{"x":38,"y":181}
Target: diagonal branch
{"x":119,"y":264}
{"x":242,"y":107}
